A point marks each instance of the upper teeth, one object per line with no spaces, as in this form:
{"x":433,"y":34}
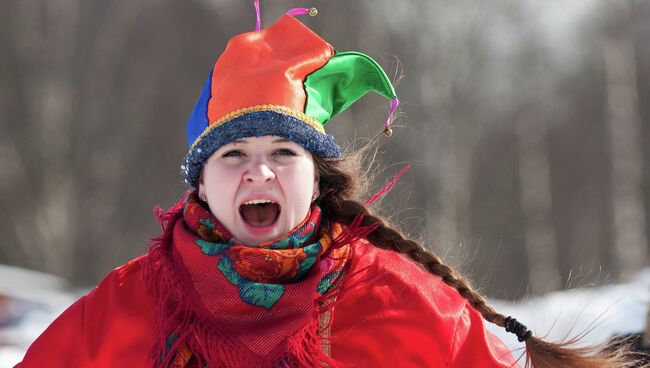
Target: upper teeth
{"x":259,"y":201}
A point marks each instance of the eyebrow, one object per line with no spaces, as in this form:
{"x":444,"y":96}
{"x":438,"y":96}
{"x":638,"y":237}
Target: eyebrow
{"x":279,"y":140}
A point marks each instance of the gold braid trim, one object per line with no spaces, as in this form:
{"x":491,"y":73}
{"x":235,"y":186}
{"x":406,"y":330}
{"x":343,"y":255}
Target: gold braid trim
{"x":257,"y":108}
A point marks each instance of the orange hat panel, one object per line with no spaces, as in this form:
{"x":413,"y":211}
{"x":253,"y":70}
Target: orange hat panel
{"x":267,"y":67}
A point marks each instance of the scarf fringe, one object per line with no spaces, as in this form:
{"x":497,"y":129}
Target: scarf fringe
{"x":307,"y":346}
{"x":178,"y":312}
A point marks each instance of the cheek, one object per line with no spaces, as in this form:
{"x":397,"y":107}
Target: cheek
{"x":222,"y":183}
{"x":298,"y":186}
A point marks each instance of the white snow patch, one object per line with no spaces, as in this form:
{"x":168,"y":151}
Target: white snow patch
{"x":29,"y":302}
{"x":604,"y":311}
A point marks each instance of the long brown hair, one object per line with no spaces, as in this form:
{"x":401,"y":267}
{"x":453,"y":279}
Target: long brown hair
{"x":340,"y":185}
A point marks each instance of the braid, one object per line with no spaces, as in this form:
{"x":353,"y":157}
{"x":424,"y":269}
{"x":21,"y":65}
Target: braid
{"x":386,"y":237}
{"x":340,"y":182}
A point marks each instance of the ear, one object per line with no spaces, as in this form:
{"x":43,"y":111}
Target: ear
{"x":201,"y":187}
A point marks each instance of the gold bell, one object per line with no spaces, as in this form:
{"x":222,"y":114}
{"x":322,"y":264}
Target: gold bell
{"x":313,"y":12}
{"x":388,"y":132}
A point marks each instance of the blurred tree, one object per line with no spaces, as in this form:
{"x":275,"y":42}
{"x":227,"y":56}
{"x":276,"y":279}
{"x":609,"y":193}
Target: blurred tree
{"x":640,"y":29}
{"x":624,"y":132}
{"x":524,"y":120}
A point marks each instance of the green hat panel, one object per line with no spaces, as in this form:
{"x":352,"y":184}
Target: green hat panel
{"x":345,"y":78}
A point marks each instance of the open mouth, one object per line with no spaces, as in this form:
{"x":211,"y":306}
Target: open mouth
{"x":259,"y":213}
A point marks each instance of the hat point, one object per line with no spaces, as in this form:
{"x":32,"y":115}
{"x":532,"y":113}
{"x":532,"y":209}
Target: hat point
{"x":300,"y":11}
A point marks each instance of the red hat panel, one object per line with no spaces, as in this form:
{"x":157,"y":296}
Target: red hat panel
{"x":267,"y":67}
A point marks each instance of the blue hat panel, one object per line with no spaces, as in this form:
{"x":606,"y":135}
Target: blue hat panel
{"x":199,"y":121}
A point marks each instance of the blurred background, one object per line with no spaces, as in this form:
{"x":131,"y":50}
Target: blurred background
{"x":526,"y":123}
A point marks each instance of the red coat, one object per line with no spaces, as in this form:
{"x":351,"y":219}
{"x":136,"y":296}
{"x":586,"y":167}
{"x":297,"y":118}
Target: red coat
{"x":401,"y":316}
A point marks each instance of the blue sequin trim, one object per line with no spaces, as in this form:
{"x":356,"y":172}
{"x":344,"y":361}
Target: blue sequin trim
{"x":257,"y":124}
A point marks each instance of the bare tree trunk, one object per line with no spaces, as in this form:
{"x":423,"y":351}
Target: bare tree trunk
{"x":534,"y":176}
{"x":456,"y":134}
{"x":641,"y":14}
{"x":455,"y":189}
{"x":625,"y":133}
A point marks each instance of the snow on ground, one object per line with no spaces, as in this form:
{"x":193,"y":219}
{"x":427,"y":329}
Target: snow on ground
{"x":605,"y":311}
{"x":29,"y":301}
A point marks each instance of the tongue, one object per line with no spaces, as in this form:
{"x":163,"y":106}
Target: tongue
{"x":260,"y":215}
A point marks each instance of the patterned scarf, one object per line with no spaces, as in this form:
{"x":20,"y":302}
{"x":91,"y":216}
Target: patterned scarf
{"x":219,"y":303}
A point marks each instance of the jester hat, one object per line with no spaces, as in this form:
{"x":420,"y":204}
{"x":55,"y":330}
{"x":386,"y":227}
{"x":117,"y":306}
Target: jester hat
{"x":285,"y":81}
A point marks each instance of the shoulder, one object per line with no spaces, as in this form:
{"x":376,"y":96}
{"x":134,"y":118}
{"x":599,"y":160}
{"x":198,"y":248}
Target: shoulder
{"x":120,"y":298}
{"x":406,"y":276}
{"x":119,"y":318}
{"x":110,"y":326}
{"x":389,"y":304}
{"x":123,"y":282}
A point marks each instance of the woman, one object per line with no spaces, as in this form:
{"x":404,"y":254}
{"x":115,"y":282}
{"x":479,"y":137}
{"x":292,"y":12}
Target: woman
{"x":270,"y":261}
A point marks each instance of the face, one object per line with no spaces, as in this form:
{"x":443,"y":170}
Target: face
{"x":259,"y":187}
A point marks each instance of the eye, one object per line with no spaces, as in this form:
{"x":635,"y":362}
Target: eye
{"x":233,"y":153}
{"x":284,"y":152}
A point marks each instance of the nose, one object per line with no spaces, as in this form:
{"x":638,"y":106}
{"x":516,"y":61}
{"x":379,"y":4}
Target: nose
{"x":258,"y":172}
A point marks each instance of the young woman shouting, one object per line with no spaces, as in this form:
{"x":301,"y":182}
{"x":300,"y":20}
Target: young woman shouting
{"x":269,"y":260}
